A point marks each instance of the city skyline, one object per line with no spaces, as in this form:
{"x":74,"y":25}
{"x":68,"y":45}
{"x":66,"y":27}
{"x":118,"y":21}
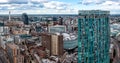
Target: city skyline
{"x":57,"y":6}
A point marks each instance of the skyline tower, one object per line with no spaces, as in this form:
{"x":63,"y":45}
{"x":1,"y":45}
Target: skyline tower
{"x":9,"y":15}
{"x":60,"y":20}
{"x":93,"y":36}
{"x":25,"y":18}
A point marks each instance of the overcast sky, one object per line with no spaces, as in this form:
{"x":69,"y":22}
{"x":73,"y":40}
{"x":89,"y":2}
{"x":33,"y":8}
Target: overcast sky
{"x":57,"y":6}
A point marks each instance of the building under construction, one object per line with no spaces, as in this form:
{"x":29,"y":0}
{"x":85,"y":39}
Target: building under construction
{"x":93,"y":36}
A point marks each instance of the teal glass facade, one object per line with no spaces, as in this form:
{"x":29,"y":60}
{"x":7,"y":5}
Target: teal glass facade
{"x":93,"y":36}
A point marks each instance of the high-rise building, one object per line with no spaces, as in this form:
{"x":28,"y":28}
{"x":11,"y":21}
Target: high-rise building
{"x":57,"y":45}
{"x":3,"y":56}
{"x":25,"y":18}
{"x":60,"y":21}
{"x":13,"y":53}
{"x":9,"y":16}
{"x":54,"y":43}
{"x":93,"y":36}
{"x":46,"y":41}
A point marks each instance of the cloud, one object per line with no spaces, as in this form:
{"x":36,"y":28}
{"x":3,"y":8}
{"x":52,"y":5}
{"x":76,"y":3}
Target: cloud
{"x":18,"y":1}
{"x":39,"y":1}
{"x":19,"y":5}
{"x":115,"y":0}
{"x":87,"y":2}
{"x":3,"y":1}
{"x":110,"y":3}
{"x":13,"y":1}
{"x":40,"y":11}
{"x":21,"y":1}
{"x":33,"y":4}
{"x":56,"y":5}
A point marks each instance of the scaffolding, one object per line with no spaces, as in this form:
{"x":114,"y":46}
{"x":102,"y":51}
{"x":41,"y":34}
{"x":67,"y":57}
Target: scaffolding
{"x":93,"y":36}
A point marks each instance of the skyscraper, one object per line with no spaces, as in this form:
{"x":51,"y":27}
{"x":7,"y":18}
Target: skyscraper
{"x":57,"y":45}
{"x":54,"y":43}
{"x":25,"y":18}
{"x":13,"y":52}
{"x":93,"y":36}
{"x":60,"y":21}
{"x":9,"y":16}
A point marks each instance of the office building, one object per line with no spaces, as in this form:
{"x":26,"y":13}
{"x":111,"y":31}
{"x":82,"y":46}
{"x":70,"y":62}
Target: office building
{"x":60,"y":21}
{"x":46,"y":41}
{"x":25,"y":18}
{"x":93,"y":36}
{"x":54,"y":43}
{"x":57,"y":45}
{"x":57,"y":29}
{"x":13,"y":52}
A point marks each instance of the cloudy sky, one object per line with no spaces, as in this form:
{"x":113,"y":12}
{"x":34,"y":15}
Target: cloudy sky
{"x":57,"y":6}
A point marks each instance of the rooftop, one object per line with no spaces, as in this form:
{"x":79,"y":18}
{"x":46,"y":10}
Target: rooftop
{"x":84,"y":12}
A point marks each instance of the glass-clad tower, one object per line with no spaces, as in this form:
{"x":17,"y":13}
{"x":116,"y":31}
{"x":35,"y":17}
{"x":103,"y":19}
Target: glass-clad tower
{"x":93,"y":36}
